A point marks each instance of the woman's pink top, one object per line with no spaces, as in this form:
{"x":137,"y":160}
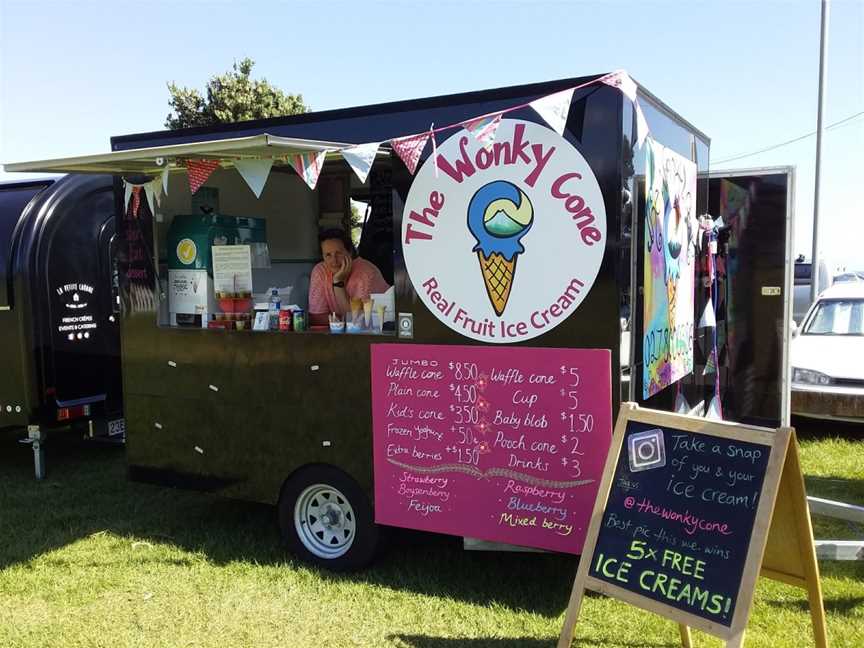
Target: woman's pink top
{"x":364,"y":280}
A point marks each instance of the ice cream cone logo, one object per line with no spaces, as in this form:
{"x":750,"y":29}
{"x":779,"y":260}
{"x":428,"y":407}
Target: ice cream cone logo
{"x":499,"y":215}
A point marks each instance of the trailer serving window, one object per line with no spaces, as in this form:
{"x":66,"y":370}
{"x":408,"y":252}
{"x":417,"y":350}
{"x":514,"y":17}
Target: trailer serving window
{"x":223,"y":258}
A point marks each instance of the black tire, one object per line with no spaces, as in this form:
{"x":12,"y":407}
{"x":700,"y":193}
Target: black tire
{"x":326,"y":519}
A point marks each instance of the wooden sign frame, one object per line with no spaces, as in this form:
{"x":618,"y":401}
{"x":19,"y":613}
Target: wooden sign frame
{"x":785,"y":531}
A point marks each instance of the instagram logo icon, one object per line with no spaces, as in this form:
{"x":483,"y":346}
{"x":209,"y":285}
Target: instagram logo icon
{"x":646,"y":450}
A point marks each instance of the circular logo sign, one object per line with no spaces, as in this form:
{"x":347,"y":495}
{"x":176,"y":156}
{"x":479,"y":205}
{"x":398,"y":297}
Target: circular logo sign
{"x":504,"y":242}
{"x":187,"y":251}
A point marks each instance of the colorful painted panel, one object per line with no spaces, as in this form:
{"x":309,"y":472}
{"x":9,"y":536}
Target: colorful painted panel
{"x":670,"y":228}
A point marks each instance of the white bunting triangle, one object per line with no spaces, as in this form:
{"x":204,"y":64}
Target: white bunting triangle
{"x":681,"y":404}
{"x":715,"y":410}
{"x":708,"y":319}
{"x":360,"y":158}
{"x":698,"y":410}
{"x":165,"y":182}
{"x":255,"y":173}
{"x":149,"y":193}
{"x":127,"y":193}
{"x":554,"y":109}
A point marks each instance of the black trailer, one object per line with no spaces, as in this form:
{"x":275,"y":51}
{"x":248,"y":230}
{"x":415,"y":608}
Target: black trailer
{"x":286,"y":419}
{"x":59,"y":312}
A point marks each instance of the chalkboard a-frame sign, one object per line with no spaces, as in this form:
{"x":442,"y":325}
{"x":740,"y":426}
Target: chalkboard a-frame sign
{"x":689,"y":514}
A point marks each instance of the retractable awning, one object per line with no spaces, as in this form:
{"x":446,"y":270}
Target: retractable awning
{"x":154,"y":160}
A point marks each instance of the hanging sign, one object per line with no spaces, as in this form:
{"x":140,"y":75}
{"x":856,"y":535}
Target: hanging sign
{"x":504,"y":245}
{"x":682,"y":521}
{"x":505,"y":445}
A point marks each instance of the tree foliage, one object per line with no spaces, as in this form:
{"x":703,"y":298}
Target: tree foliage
{"x":231,"y":97}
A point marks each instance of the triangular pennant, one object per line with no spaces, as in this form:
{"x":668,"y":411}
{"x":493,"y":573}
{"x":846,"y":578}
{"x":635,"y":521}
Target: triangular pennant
{"x":642,"y":129}
{"x":308,"y":166}
{"x":554,"y":109}
{"x":621,"y":80}
{"x":715,"y":409}
{"x":698,"y":410}
{"x":710,"y":365}
{"x":409,"y":149}
{"x":165,"y":182}
{"x":681,"y":404}
{"x":708,"y":319}
{"x":360,"y":158}
{"x":199,"y":171}
{"x":127,"y":187}
{"x":156,"y":187}
{"x":255,"y":173}
{"x":149,"y":193}
{"x":136,"y":200}
{"x":483,"y":129}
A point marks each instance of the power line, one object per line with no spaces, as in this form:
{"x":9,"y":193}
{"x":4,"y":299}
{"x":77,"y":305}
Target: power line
{"x":791,"y":141}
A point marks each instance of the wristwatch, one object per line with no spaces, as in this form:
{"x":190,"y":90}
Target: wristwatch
{"x":338,"y":284}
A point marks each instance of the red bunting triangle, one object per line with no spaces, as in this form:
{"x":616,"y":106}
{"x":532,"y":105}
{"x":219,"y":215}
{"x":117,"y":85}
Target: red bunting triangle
{"x":136,"y":200}
{"x":409,"y":149}
{"x":199,"y":171}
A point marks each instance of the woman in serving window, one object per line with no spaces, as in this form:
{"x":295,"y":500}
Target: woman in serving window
{"x":340,"y":277}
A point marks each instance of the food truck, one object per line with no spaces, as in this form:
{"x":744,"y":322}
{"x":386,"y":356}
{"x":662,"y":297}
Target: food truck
{"x":59,"y":309}
{"x":474,"y":392}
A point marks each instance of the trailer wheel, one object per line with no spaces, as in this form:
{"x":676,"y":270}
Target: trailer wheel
{"x":326,"y":518}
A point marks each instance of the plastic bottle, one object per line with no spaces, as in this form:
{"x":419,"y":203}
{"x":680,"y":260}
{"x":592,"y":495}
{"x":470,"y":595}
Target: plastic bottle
{"x":273,"y":311}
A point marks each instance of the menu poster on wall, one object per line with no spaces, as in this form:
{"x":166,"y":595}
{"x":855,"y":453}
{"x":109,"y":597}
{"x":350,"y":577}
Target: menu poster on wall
{"x":682,"y":520}
{"x":504,"y":445}
{"x":232,"y":268}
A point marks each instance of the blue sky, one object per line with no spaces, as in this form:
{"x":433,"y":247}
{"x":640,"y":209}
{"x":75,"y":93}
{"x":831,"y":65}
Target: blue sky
{"x":74,"y":73}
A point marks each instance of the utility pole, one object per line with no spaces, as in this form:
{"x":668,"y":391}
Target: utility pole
{"x":823,"y":68}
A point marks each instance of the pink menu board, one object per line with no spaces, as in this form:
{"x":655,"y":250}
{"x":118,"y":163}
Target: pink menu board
{"x":501,"y":444}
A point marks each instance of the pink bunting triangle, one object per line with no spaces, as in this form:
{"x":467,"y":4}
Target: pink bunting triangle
{"x":308,"y":166}
{"x":136,"y":200}
{"x":199,"y":171}
{"x":409,"y":149}
{"x":483,"y":129}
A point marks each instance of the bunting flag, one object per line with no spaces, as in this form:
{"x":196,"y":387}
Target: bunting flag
{"x":715,"y":409}
{"x":199,"y":171}
{"x":409,"y":149}
{"x":255,"y":173}
{"x":554,"y":109}
{"x":484,"y":128}
{"x":681,"y":404}
{"x":136,"y":200}
{"x":710,"y":364}
{"x":150,"y":193}
{"x":165,"y":182}
{"x":698,"y":410}
{"x":621,"y":80}
{"x":127,"y":193}
{"x":360,"y":158}
{"x":708,"y":319}
{"x":308,"y":166}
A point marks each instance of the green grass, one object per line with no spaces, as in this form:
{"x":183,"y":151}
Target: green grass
{"x":90,"y":559}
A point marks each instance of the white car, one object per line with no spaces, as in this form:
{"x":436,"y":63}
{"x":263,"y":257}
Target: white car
{"x":828,"y":356}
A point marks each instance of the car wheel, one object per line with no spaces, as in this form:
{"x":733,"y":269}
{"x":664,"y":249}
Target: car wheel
{"x":326,"y":518}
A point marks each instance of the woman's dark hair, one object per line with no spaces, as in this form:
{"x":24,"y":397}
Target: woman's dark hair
{"x":334,"y":233}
